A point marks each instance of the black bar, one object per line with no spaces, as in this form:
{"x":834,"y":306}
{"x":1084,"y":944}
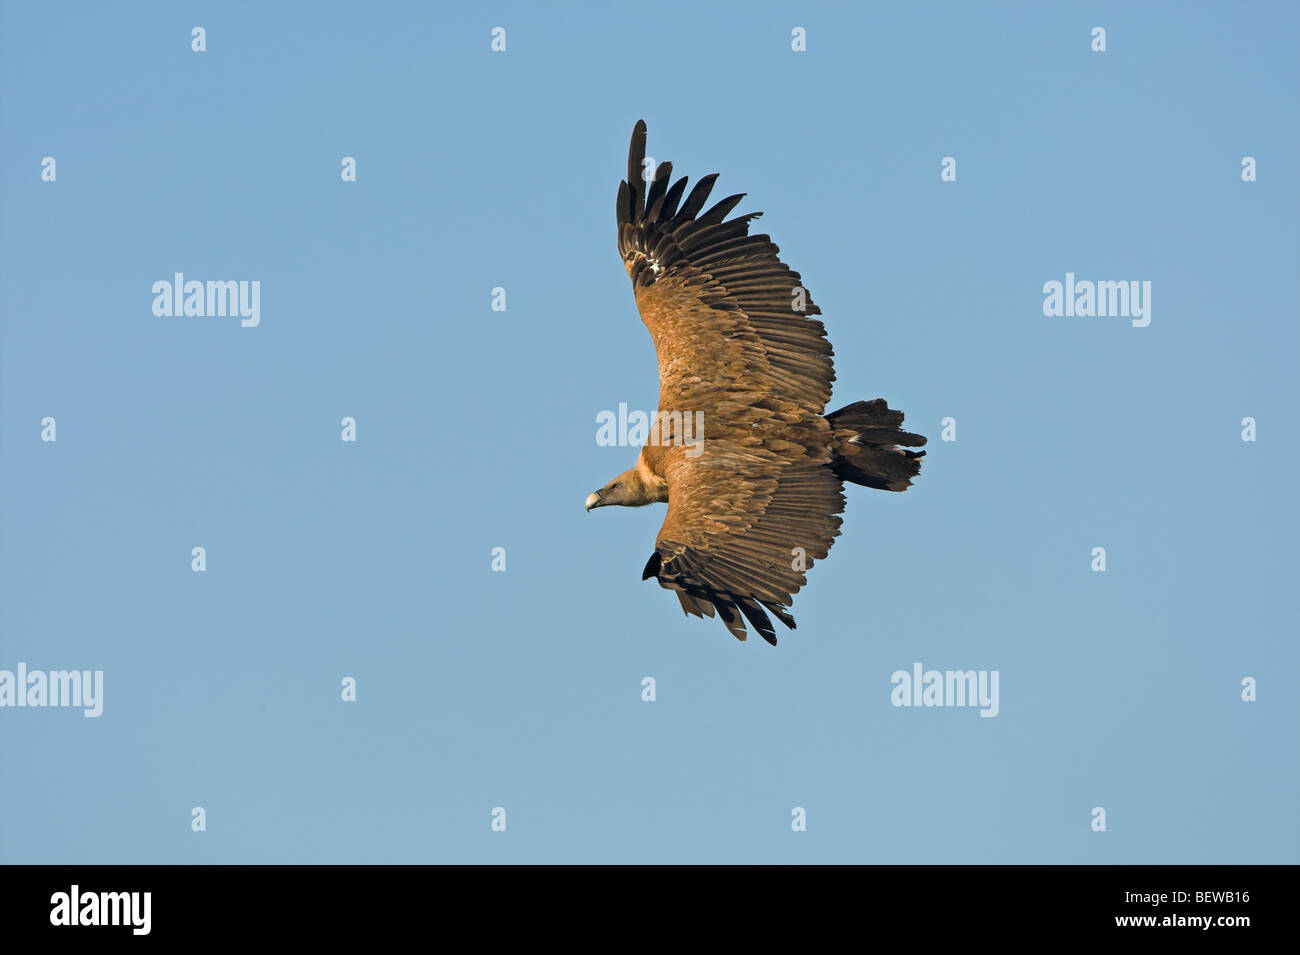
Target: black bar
{"x":367,"y":903}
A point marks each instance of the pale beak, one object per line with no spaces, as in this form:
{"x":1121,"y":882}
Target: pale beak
{"x":593,"y":500}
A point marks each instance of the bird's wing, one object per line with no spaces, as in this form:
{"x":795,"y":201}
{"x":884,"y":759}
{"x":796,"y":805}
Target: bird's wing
{"x":718,"y":302}
{"x":745,"y":522}
{"x":736,"y":343}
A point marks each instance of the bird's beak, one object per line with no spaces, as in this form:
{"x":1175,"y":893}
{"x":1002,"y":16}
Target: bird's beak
{"x":593,"y":500}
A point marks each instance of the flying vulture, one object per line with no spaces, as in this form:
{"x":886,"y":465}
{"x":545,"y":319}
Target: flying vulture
{"x":755,"y":499}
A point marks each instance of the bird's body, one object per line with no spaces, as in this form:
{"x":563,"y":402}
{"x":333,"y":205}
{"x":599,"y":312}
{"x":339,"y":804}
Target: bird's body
{"x":755,"y":499}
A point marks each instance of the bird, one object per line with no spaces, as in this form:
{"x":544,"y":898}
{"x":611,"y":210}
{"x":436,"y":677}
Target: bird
{"x":755,"y":490}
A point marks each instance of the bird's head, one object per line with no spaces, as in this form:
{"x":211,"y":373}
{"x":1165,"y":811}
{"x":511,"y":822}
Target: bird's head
{"x":627,"y":490}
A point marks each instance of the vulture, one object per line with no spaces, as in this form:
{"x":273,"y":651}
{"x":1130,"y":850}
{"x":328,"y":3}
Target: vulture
{"x":754,"y":500}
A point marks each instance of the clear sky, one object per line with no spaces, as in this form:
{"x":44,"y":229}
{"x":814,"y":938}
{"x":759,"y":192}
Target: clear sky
{"x":475,"y":429}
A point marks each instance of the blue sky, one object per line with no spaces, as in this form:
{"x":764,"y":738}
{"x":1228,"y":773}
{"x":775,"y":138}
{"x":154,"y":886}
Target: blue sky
{"x":476,"y":429}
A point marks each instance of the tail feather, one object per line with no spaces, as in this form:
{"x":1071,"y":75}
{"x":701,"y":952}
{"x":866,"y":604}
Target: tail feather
{"x":868,"y":451}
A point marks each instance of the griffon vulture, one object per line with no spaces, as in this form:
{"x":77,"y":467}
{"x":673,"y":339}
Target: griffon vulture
{"x":756,"y":501}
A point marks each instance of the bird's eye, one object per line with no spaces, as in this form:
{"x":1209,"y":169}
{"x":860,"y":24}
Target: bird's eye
{"x":615,"y":486}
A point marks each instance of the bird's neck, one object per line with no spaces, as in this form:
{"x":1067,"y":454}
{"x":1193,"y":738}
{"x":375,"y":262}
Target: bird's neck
{"x":649,"y":470}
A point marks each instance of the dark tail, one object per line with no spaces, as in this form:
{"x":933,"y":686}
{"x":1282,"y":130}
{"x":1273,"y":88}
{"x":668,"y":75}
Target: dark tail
{"x":867,"y":448}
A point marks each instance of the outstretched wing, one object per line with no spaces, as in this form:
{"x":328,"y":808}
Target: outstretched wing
{"x":737,"y":343}
{"x":743,"y":527}
{"x":719,"y":304}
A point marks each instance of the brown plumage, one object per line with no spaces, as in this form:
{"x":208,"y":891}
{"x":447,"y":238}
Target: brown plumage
{"x":753,"y":506}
